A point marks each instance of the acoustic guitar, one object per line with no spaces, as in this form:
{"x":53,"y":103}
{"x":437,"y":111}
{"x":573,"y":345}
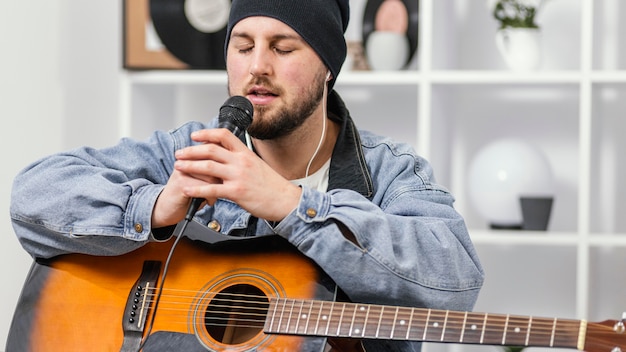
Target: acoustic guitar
{"x":253,"y":294}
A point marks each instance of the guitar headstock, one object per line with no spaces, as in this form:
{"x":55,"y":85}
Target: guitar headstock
{"x":606,"y":336}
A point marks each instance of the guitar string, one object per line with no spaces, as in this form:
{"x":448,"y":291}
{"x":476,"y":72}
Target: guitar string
{"x":251,"y":323}
{"x":540,"y":326}
{"x":478,"y":316}
{"x":258,"y":324}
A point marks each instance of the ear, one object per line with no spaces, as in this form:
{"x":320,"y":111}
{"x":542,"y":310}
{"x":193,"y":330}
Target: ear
{"x":328,"y":76}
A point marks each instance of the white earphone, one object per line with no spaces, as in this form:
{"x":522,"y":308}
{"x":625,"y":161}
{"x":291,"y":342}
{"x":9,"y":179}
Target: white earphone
{"x":327,"y":76}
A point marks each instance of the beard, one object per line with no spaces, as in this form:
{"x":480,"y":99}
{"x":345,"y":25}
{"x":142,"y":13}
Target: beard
{"x":268,"y":124}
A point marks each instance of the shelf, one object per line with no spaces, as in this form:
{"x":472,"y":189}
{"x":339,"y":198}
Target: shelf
{"x":401,"y":77}
{"x":515,"y":237}
{"x":539,"y":238}
{"x":177,"y":77}
{"x":604,"y":240}
{"x":504,"y":77}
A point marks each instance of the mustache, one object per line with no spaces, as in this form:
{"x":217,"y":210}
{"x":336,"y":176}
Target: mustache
{"x":266,"y":83}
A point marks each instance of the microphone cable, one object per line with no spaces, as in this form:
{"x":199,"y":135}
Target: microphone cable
{"x":235,"y":115}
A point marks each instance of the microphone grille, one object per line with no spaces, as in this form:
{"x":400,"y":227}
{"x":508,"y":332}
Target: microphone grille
{"x":237,"y":110}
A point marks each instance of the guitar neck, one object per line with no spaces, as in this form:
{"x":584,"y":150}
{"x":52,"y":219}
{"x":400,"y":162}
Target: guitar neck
{"x":366,"y":321}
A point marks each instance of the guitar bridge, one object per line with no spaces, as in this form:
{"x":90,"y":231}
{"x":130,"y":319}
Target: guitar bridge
{"x":138,"y":305}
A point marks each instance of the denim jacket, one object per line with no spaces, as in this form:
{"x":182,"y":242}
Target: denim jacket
{"x":413,"y":247}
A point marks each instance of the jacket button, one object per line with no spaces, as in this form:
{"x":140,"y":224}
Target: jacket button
{"x":311,"y":212}
{"x":138,"y":228}
{"x":214,"y":225}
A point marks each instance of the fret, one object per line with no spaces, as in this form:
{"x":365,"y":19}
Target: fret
{"x":516,"y":331}
{"x":365,"y":321}
{"x":553,"y":332}
{"x":418,"y":324}
{"x":351,"y":330}
{"x":385,"y":327}
{"x":506,"y":325}
{"x":401,"y":323}
{"x":408,"y":329}
{"x":547,"y":332}
{"x":289,"y":316}
{"x":333,"y":323}
{"x":482,"y":334}
{"x":345,"y":321}
{"x":340,"y":321}
{"x":380,"y":320}
{"x":445,"y":323}
{"x":394,"y":322}
{"x":463,"y":325}
{"x":493,"y":329}
{"x":543,"y":332}
{"x":282,"y":314}
{"x":271,"y":316}
{"x":453,"y":331}
{"x":370,"y":329}
{"x":309,"y":317}
{"x":426,"y":325}
{"x":435,"y":326}
{"x":530,"y":324}
{"x":540,"y":332}
{"x":567,"y":333}
{"x":473,"y":328}
{"x":323,"y":319}
{"x":298,"y":329}
{"x":359,"y":320}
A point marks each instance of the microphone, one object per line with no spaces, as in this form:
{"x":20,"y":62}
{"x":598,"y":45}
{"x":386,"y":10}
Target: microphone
{"x":235,"y":115}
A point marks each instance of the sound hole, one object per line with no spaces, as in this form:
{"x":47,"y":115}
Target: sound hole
{"x":236,"y":314}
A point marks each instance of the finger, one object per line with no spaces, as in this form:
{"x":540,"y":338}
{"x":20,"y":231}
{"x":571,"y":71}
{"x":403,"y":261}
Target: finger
{"x":220,"y":136}
{"x":206,"y":171}
{"x":208,"y":192}
{"x":203,"y":152}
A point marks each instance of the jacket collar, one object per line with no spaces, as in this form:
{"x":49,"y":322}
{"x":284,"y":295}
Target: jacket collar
{"x":348,"y":169}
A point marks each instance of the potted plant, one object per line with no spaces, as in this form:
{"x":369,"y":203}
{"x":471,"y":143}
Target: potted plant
{"x":518,"y":35}
{"x":516,"y":13}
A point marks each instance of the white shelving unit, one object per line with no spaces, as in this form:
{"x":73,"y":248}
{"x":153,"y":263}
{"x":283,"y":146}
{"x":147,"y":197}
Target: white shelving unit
{"x":461,"y":96}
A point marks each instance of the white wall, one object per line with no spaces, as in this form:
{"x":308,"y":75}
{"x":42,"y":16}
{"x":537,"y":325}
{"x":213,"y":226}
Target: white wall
{"x":59,"y":67}
{"x":31,"y":99}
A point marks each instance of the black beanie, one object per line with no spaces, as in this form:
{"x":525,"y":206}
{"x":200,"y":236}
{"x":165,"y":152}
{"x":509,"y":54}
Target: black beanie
{"x":321,"y":23}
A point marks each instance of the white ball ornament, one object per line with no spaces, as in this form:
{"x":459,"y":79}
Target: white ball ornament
{"x":501,"y":174}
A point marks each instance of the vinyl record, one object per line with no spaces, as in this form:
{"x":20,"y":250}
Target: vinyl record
{"x":412,"y":22}
{"x":193,"y":30}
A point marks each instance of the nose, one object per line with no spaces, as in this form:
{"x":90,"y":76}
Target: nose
{"x":261,"y":62}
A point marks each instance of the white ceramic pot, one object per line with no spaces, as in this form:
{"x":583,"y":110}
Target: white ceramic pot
{"x":387,"y":50}
{"x":520,"y":47}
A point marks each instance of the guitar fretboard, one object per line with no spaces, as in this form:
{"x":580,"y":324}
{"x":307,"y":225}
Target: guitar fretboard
{"x":367,"y":321}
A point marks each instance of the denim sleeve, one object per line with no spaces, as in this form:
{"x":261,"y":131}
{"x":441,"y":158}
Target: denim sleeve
{"x":74,"y":202}
{"x":415,"y":252}
{"x":402,"y":259}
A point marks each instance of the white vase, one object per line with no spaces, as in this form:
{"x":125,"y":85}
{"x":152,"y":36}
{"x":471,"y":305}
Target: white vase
{"x":387,"y":50}
{"x":520,"y":47}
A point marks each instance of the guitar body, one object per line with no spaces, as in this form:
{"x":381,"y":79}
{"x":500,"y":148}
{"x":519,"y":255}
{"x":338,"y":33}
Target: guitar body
{"x":78,"y":302}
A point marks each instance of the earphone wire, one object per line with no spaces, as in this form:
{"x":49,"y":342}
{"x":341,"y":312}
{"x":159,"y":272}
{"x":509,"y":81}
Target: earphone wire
{"x":319,"y":145}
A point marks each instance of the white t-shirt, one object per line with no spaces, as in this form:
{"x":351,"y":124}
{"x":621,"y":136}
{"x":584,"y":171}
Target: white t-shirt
{"x":317,"y":181}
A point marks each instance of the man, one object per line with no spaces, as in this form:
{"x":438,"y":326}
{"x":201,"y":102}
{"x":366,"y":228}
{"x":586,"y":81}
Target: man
{"x":364,"y":208}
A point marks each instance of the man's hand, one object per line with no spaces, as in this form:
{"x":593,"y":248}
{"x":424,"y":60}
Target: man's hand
{"x":223,"y":167}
